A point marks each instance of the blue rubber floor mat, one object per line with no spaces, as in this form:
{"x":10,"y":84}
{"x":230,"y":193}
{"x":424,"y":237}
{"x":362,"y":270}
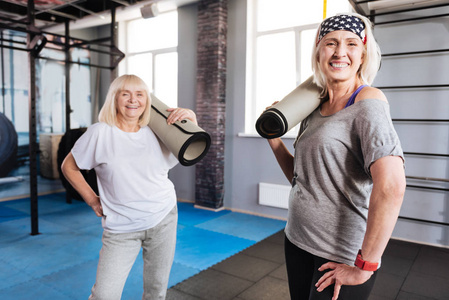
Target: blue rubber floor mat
{"x":7,"y":214}
{"x":61,"y":262}
{"x":200,"y":248}
{"x":244,"y":226}
{"x":190,"y":216}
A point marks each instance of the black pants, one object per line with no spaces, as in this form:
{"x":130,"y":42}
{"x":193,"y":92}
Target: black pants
{"x":303,"y":274}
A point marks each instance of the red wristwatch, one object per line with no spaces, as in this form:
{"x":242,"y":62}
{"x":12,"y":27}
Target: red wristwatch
{"x":365,"y":265}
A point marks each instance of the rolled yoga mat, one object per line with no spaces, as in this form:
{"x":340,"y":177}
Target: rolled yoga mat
{"x":292,"y":109}
{"x":188,"y":142}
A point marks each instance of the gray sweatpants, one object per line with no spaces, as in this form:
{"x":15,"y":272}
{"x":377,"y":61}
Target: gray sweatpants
{"x":119,"y":253}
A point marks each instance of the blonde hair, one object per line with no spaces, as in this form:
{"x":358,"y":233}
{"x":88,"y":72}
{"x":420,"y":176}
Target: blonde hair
{"x":371,"y":61}
{"x":108,"y":113}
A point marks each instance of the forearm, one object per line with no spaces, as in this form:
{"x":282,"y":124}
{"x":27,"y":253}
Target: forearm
{"x":382,"y":217}
{"x":284,"y":158}
{"x":73,"y":175}
{"x":385,"y":204}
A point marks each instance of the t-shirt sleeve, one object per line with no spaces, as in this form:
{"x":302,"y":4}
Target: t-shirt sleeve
{"x":85,"y":149}
{"x":378,"y":138}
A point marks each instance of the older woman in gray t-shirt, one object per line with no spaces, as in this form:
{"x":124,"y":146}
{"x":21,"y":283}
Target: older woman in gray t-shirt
{"x":347,"y":172}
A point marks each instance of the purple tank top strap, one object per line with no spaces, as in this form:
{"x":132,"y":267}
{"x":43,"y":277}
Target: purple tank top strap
{"x":352,"y":98}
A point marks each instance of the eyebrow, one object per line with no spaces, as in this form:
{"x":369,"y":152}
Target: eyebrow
{"x":129,"y":91}
{"x":346,"y":39}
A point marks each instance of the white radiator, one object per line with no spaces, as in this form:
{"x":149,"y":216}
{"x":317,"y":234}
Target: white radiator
{"x":275,"y":195}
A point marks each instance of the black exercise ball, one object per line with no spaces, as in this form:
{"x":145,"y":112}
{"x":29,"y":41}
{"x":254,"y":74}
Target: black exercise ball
{"x":8,"y":145}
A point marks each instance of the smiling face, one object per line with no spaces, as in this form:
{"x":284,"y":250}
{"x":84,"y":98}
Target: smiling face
{"x":340,"y":56}
{"x":130,"y":104}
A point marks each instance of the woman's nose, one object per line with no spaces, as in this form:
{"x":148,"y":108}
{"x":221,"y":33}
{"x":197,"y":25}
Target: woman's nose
{"x":340,"y":51}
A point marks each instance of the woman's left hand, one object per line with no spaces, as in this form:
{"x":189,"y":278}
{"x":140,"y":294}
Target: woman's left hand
{"x":341,"y":274}
{"x":179,"y":114}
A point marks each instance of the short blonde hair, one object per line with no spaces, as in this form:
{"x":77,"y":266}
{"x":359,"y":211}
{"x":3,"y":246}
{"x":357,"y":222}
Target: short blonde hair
{"x":371,"y":62}
{"x":108,"y":113}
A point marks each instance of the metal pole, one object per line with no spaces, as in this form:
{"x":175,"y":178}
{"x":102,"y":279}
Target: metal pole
{"x":32,"y":126}
{"x":424,"y":221}
{"x":426,"y":154}
{"x":68,"y":108}
{"x":114,"y":72}
{"x":3,"y":72}
{"x":11,"y":84}
{"x":412,"y":19}
{"x":428,"y":178}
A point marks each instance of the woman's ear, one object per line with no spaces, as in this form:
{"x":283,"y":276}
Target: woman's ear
{"x":362,"y":60}
{"x":363,"y":55}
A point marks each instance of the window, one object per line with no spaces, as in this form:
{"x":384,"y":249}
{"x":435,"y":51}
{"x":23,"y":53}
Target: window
{"x":51,"y":79}
{"x":150,"y":46}
{"x":50,"y":87}
{"x":280,"y":39}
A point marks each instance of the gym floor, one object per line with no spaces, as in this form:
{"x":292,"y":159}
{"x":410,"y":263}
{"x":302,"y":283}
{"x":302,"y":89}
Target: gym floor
{"x":60,"y":263}
{"x":223,"y":255}
{"x":409,"y":272}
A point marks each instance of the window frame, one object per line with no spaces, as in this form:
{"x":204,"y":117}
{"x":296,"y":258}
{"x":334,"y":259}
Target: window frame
{"x":253,"y":34}
{"x":123,"y":67}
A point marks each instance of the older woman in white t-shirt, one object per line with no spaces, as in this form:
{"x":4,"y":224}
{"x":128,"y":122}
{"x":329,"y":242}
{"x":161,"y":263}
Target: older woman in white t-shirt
{"x":136,"y":201}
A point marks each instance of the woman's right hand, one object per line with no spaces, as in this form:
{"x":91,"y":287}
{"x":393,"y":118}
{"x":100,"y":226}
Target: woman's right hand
{"x":95,"y":204}
{"x":73,"y":175}
{"x":283,"y":156}
{"x":179,"y":114}
{"x":275,"y":143}
{"x":274,"y":103}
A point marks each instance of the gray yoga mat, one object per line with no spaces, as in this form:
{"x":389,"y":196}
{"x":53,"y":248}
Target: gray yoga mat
{"x":187,"y":141}
{"x":287,"y":113}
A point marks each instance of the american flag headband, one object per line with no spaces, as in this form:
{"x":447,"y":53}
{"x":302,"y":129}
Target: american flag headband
{"x":343,"y":22}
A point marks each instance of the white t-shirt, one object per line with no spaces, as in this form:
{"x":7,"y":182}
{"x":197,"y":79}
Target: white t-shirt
{"x":132,"y":175}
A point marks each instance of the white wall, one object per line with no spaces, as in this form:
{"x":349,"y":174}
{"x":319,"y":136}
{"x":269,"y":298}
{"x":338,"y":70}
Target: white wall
{"x":248,"y":161}
{"x":184,"y":177}
{"x":426,"y":103}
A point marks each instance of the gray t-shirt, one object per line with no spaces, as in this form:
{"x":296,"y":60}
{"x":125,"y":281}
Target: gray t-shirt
{"x":329,"y":201}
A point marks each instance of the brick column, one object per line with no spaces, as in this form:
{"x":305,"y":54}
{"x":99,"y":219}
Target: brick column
{"x":210,"y":103}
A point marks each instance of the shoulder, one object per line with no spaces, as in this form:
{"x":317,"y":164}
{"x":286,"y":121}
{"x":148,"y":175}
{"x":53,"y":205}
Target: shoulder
{"x":146,"y":129}
{"x":97,"y":129}
{"x":371,"y":93}
{"x":147,"y":132}
{"x":99,"y":126}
